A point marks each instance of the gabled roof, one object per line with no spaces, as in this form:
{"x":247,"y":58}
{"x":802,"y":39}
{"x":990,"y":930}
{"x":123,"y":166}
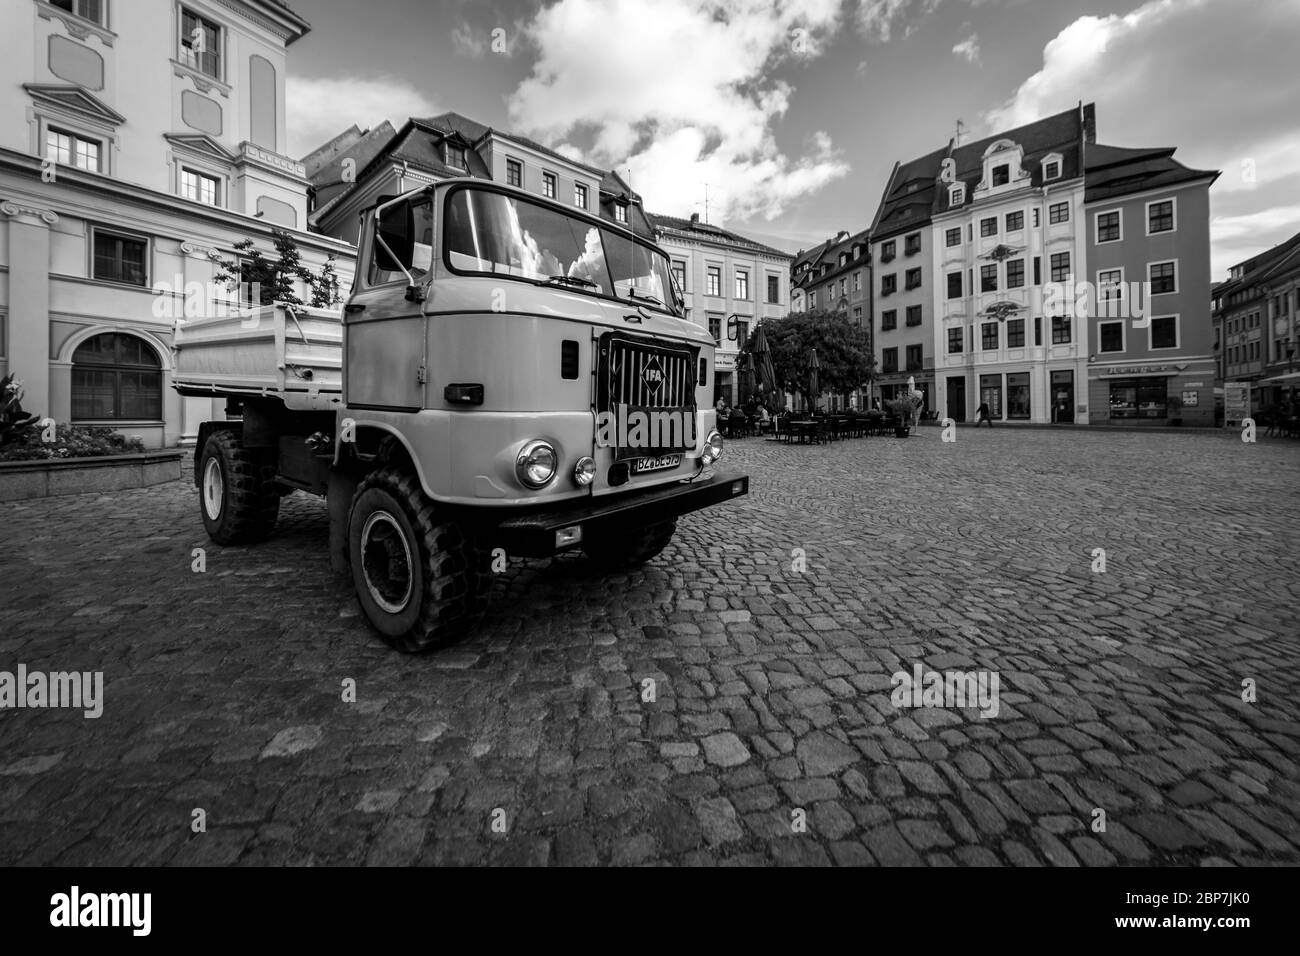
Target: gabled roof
{"x":694,"y":229}
{"x":1259,"y":268}
{"x":828,"y":254}
{"x":1114,"y":171}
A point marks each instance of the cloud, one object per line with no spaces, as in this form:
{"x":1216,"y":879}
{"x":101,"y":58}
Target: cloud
{"x":682,"y":93}
{"x":876,"y":18}
{"x":322,"y":107}
{"x":969,"y":48}
{"x":1159,"y":77}
{"x":470,"y":42}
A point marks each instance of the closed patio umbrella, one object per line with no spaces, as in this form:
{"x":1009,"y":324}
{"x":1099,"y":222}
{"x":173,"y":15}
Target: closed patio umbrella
{"x":763,"y":363}
{"x":813,"y":365}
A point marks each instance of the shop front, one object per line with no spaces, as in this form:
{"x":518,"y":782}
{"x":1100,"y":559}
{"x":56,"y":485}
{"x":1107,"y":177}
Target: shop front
{"x":1174,"y":394}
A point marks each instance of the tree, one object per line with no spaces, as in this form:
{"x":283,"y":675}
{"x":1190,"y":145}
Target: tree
{"x":274,"y":279}
{"x":843,"y":352}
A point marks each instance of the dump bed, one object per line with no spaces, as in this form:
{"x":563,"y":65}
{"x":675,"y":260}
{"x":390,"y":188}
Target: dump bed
{"x":293,"y":352}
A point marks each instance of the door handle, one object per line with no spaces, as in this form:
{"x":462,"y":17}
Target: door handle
{"x":354,"y":307}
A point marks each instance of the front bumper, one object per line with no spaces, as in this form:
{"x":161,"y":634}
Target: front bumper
{"x":540,"y":534}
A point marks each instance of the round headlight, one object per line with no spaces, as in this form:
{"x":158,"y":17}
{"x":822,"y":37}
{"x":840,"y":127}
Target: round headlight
{"x":712,"y":447}
{"x":584,"y":472}
{"x":536,"y":463}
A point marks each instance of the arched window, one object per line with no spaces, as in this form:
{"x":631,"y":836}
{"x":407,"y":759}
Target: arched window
{"x":116,"y":378}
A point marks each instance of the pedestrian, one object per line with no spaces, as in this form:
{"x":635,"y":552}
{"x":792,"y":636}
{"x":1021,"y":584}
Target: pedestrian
{"x":983,"y":413}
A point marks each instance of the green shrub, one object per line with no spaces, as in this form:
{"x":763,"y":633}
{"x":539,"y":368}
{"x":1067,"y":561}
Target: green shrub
{"x":71,"y":441}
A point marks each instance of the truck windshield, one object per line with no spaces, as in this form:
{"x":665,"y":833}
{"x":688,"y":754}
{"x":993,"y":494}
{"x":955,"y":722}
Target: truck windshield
{"x":490,"y":232}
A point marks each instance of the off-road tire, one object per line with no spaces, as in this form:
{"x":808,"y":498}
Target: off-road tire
{"x":238,"y":497}
{"x":629,"y":547}
{"x":448,"y":575}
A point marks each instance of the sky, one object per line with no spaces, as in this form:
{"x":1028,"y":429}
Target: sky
{"x":782,"y":120}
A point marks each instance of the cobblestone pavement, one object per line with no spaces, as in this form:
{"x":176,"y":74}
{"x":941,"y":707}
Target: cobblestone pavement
{"x":1119,"y":691}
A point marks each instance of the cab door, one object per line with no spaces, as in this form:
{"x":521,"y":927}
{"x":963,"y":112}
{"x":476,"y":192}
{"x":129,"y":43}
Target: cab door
{"x":385,"y":364}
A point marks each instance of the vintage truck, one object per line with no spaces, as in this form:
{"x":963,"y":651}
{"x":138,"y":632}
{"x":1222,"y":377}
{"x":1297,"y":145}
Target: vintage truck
{"x":509,"y":376}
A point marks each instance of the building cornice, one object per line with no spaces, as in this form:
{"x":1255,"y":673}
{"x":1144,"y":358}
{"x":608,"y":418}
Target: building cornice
{"x":96,"y":186}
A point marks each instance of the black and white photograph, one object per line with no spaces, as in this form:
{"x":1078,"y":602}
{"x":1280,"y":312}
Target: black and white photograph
{"x":600,"y":434}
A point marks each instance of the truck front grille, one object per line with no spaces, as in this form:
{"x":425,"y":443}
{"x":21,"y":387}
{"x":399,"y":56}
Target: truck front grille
{"x":638,"y":374}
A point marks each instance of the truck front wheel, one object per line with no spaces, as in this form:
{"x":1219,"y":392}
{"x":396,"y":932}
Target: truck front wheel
{"x":237,"y":492}
{"x":629,"y":547}
{"x":419,"y":578}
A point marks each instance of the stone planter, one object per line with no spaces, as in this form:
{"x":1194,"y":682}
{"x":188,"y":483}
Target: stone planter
{"x":20,"y":480}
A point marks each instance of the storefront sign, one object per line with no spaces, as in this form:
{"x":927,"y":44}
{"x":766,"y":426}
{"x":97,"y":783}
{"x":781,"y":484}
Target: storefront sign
{"x":1236,"y":401}
{"x":1143,"y":369}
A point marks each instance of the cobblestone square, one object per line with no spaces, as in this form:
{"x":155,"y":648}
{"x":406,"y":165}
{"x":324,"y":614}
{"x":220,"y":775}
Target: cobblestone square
{"x":770,"y":630}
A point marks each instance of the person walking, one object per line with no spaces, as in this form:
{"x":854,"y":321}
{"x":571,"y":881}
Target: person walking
{"x":983,"y":413}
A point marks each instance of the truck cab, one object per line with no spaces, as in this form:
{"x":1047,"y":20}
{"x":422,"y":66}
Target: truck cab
{"x":517,"y":377}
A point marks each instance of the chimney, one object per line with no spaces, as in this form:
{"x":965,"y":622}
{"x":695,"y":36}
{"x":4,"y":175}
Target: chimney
{"x":695,"y":219}
{"x":1090,"y":123}
{"x":841,"y":235}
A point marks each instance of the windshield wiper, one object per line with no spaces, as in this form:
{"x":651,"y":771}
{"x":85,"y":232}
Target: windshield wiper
{"x":573,"y":280}
{"x":643,"y":296}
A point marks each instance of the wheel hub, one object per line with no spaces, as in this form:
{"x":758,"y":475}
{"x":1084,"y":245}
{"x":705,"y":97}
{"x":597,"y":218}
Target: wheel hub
{"x":214,"y":489}
{"x":386,"y":562}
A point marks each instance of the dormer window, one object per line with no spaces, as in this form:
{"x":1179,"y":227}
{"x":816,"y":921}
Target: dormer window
{"x":620,"y":212}
{"x":1001,"y":175}
{"x":956,"y":194}
{"x":1052,"y":170}
{"x":454,"y":156}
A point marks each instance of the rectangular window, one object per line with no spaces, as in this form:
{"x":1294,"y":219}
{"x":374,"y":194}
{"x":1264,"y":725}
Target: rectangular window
{"x":913,"y":315}
{"x":857,"y":282}
{"x":1111,"y":335}
{"x":1015,"y":273}
{"x":912,"y":244}
{"x":1001,"y":175}
{"x":454,"y":156}
{"x":857,"y":316}
{"x":200,"y":44}
{"x":954,"y":341}
{"x":913,"y":278}
{"x":1051,"y":170}
{"x":887,"y":251}
{"x":888,"y":320}
{"x":69,"y":149}
{"x":989,"y":226}
{"x":889,"y":284}
{"x":92,"y":10}
{"x":514,"y":173}
{"x":742,"y":332}
{"x":913,"y":358}
{"x":1018,"y":395}
{"x":773,"y":289}
{"x":742,"y":285}
{"x":1058,"y":212}
{"x":1060,"y":266}
{"x":548,"y":185}
{"x":889,"y":360}
{"x":952,"y":237}
{"x":1038,"y":330}
{"x":989,"y":278}
{"x":715,"y":328}
{"x":1035,"y":217}
{"x":844,"y":285}
{"x":1038,"y":270}
{"x":1163,"y":277}
{"x":1164,"y":334}
{"x":1015,"y":221}
{"x":1108,"y":226}
{"x":954,"y":285}
{"x":1160,"y":216}
{"x":200,"y":188}
{"x":1015,"y":333}
{"x":580,"y":195}
{"x":620,"y":212}
{"x":120,"y":259}
{"x":679,"y":273}
{"x":989,"y":336}
{"x":1110,"y":288}
{"x":1060,"y":330}
{"x":713,"y":281}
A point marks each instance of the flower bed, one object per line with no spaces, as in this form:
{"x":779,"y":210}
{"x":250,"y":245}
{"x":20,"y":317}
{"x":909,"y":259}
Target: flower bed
{"x":48,"y":477}
{"x":70,"y":441}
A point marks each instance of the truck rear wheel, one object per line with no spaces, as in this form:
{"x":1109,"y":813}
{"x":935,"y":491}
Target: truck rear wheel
{"x":420,"y":579}
{"x":238,"y":496}
{"x":629,"y":547}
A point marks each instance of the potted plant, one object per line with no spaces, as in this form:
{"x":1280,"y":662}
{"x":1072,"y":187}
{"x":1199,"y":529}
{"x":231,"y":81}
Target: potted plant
{"x":901,"y":409}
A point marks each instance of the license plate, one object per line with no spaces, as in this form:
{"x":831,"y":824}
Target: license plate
{"x":642,"y":465}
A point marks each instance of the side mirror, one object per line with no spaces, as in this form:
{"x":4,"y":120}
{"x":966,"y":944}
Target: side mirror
{"x":395,"y":238}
